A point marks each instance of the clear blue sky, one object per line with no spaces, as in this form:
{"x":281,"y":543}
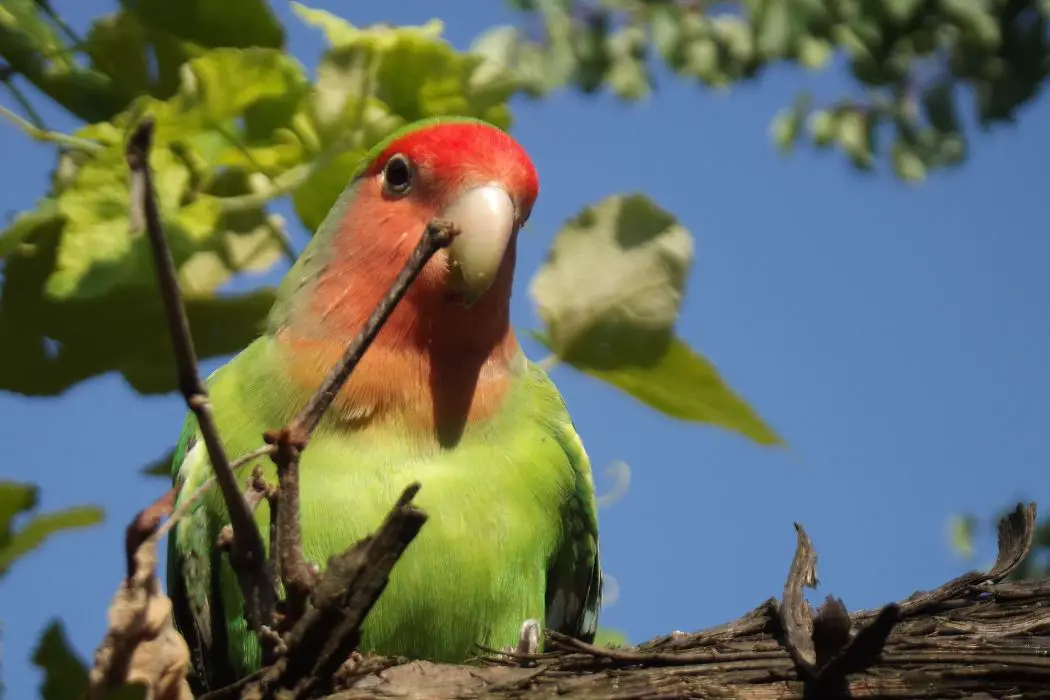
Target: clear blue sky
{"x":896,"y":337}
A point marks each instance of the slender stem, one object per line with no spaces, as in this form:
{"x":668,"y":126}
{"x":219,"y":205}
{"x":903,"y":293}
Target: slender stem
{"x":548,"y":363}
{"x":186,"y":504}
{"x":23,"y":102}
{"x":438,"y":234}
{"x":247,"y":554}
{"x":56,"y":137}
{"x":296,"y":574}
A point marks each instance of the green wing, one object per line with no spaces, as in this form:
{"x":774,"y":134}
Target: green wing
{"x":192,"y":557}
{"x":574,"y":579}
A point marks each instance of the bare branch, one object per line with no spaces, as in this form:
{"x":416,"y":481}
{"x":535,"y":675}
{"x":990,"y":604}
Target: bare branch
{"x":247,"y":555}
{"x":437,"y":235}
{"x":289,"y":442}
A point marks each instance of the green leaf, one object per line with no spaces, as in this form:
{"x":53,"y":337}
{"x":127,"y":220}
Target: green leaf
{"x":22,"y":228}
{"x":317,"y":195}
{"x":775,"y":30}
{"x":787,"y":124}
{"x":627,"y":75}
{"x":612,"y":285}
{"x":48,"y":347}
{"x":15,"y":498}
{"x":685,"y":385}
{"x":665,"y":23}
{"x":65,"y":675}
{"x":18,"y":499}
{"x":231,"y":80}
{"x":32,"y":48}
{"x":209,"y":24}
{"x":161,"y":466}
{"x":607,"y":637}
{"x":118,"y":46}
{"x":961,"y":529}
{"x":609,"y":294}
{"x":408,"y":72}
{"x":39,"y":528}
{"x":907,"y":163}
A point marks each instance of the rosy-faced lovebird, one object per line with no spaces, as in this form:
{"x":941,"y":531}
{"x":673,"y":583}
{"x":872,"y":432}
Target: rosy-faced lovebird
{"x":444,"y":396}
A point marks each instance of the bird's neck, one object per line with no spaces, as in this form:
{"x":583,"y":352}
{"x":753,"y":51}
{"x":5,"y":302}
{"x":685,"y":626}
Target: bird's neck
{"x":435,"y":366}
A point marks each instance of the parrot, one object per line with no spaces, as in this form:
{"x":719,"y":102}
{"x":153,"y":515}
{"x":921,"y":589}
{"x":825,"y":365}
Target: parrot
{"x":444,"y":396}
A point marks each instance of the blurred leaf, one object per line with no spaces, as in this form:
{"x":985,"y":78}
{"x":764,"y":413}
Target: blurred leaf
{"x":26,"y":223}
{"x":787,"y":125}
{"x":161,"y":466}
{"x":231,"y":80}
{"x":907,"y":163}
{"x":208,"y":24}
{"x":609,"y":294}
{"x":118,"y":46}
{"x":962,"y":529}
{"x":318,"y":194}
{"x":627,"y":74}
{"x":17,"y":499}
{"x":408,"y":71}
{"x":32,"y":48}
{"x":606,"y":637}
{"x":39,"y":528}
{"x":65,"y":675}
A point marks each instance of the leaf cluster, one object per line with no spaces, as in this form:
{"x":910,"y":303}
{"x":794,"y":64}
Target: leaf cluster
{"x":914,"y":62}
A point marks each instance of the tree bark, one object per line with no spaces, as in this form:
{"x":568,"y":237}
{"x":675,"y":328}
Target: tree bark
{"x":974,"y":637}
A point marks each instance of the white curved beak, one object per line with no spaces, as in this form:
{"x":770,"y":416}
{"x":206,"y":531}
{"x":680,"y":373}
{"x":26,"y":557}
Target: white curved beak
{"x":485,"y":216}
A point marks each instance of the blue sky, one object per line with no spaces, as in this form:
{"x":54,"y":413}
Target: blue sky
{"x":895,"y":336}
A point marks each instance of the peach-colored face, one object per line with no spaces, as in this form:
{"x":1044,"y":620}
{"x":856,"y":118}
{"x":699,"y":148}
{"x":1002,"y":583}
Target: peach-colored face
{"x":445,"y":159}
{"x":472,"y":173}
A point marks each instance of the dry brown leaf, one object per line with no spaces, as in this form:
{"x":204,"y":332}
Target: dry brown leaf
{"x":141,"y":645}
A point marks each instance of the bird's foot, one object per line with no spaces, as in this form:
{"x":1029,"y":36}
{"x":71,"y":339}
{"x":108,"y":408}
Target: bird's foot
{"x":528,"y":642}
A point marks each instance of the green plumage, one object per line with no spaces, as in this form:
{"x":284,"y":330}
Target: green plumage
{"x":512,"y":530}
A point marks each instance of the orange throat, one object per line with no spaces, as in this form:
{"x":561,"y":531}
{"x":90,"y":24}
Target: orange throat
{"x":435,"y":366}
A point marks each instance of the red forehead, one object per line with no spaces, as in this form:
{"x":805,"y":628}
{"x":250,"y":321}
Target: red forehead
{"x":458,"y":150}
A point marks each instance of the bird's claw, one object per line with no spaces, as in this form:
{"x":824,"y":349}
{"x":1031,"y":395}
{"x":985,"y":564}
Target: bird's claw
{"x":528,"y":642}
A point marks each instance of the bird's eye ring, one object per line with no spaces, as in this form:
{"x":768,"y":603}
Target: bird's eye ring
{"x":397,"y":175}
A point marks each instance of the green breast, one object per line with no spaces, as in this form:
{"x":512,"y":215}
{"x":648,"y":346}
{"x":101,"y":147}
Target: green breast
{"x":495,"y":503}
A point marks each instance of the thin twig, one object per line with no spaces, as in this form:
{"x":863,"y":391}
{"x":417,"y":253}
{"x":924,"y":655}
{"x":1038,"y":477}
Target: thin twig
{"x":16,"y":93}
{"x":187,"y":504}
{"x":247,"y":555}
{"x":437,"y":235}
{"x":296,"y":574}
{"x":55,"y":137}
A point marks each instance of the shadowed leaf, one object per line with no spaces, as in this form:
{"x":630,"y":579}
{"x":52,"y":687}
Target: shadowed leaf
{"x":65,"y":675}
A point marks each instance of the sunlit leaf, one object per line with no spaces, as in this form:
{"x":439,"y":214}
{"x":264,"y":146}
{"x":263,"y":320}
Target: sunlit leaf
{"x":411,"y":70}
{"x":65,"y":675}
{"x":613,"y":282}
{"x":609,"y":294}
{"x":48,"y":346}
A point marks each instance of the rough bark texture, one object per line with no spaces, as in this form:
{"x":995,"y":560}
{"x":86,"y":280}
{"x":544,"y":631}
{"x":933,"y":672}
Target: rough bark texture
{"x":974,"y":637}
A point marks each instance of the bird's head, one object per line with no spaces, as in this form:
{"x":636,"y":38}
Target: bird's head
{"x":466,"y":171}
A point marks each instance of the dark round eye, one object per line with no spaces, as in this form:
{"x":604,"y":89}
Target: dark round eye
{"x":397,"y":175}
